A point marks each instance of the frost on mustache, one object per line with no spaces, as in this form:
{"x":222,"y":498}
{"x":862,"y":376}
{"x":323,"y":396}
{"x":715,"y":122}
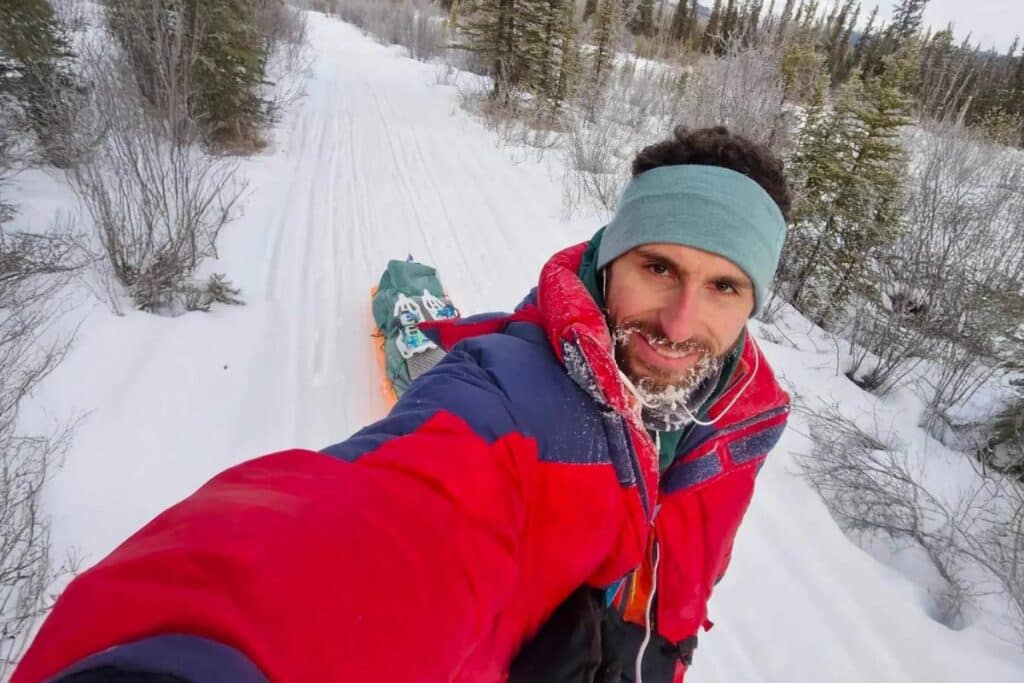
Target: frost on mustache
{"x":671,"y":406}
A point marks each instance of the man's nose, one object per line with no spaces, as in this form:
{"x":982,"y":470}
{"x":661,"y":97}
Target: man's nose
{"x":680,"y":317}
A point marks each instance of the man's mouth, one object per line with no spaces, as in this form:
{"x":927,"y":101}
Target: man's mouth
{"x":663,"y":355}
{"x":665,"y":348}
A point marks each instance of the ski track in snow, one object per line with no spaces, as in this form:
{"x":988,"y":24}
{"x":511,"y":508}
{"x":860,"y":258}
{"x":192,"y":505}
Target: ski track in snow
{"x":376,"y":163}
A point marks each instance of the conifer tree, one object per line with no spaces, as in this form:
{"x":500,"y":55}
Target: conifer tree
{"x":606,"y":34}
{"x":849,"y":171}
{"x":866,"y":38}
{"x":693,"y":30}
{"x":453,"y":15}
{"x":810,"y":15}
{"x":569,"y":54}
{"x":784,"y":20}
{"x":837,"y":43}
{"x":677,"y":29}
{"x":904,"y":28}
{"x":768,"y":24}
{"x":843,"y":61}
{"x":230,"y":73}
{"x":730,"y":19}
{"x":753,"y":22}
{"x":798,"y":18}
{"x":1017,"y":88}
{"x":642,"y":21}
{"x":34,"y":54}
{"x":220,"y":67}
{"x":549,"y":50}
{"x":881,"y":162}
{"x":712,"y":31}
{"x":530,"y":46}
{"x":492,"y":29}
{"x":907,"y":18}
{"x":800,"y":64}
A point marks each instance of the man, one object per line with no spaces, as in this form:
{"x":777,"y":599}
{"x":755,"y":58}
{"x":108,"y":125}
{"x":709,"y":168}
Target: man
{"x":554,"y":501}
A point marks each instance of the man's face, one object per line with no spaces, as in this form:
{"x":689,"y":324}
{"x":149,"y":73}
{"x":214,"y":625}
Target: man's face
{"x":674,"y":312}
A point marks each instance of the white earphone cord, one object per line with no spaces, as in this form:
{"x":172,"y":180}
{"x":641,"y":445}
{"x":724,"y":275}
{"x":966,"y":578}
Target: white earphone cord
{"x":633,"y":390}
{"x":648,"y":628}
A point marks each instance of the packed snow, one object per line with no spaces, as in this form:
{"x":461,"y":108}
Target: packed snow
{"x":376,"y":162}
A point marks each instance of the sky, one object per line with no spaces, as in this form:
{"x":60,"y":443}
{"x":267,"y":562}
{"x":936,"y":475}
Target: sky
{"x":992,"y":22}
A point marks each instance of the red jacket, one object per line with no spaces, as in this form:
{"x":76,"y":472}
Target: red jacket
{"x":430,"y":545}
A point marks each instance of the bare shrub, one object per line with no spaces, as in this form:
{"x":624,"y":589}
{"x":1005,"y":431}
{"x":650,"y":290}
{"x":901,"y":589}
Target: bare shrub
{"x":744,"y":89}
{"x":641,"y":102}
{"x":872,"y":486}
{"x":417,"y":25}
{"x":156,"y":200}
{"x":949,"y":281}
{"x":1003,"y":446}
{"x":595,"y":161}
{"x":329,"y":7}
{"x":33,"y":270}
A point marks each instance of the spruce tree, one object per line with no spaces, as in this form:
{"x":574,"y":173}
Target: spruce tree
{"x":866,"y":38}
{"x":492,"y":29}
{"x":642,"y":21}
{"x":606,"y":35}
{"x":34,"y":56}
{"x":569,"y":54}
{"x":843,"y":60}
{"x":453,"y":16}
{"x":230,"y":73}
{"x":904,"y":28}
{"x":753,"y":22}
{"x":693,"y":30}
{"x":819,"y":176}
{"x":848,"y":173}
{"x":837,"y":43}
{"x":810,"y":14}
{"x":784,"y":20}
{"x":712,"y":32}
{"x":907,"y":18}
{"x":730,"y":19}
{"x":798,"y":18}
{"x":220,"y":67}
{"x":677,"y":29}
{"x":882,"y":163}
{"x":768,"y":23}
{"x":548,"y":50}
{"x":1017,"y":88}
{"x":530,"y":45}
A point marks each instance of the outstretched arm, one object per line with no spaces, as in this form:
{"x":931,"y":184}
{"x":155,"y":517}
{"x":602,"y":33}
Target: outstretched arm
{"x":407,"y":553}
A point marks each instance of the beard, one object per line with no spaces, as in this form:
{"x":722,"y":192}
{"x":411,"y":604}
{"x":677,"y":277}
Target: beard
{"x":670,"y":399}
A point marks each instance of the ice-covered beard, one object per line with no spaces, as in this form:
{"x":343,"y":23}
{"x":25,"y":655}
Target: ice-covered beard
{"x":669,"y":401}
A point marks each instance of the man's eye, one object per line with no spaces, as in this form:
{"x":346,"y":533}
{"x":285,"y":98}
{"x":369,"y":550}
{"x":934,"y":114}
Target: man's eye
{"x":658,"y":268}
{"x":725,"y":287}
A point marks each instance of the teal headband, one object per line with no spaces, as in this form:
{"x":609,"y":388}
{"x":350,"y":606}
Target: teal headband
{"x":706,"y":207}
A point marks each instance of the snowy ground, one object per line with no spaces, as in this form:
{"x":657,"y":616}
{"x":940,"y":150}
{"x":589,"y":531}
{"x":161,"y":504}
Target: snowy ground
{"x":375,"y":163}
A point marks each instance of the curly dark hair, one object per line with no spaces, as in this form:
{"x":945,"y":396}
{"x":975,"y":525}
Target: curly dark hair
{"x":719,"y":146}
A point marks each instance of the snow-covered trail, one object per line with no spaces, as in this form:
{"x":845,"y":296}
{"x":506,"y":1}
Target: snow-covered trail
{"x":375,"y":163}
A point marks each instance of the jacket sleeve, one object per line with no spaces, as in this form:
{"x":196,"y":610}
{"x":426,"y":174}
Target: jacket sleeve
{"x":411,"y":552}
